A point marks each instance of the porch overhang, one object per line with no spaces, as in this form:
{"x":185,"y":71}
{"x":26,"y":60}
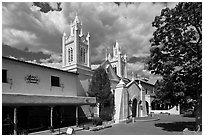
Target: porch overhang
{"x":11,"y":99}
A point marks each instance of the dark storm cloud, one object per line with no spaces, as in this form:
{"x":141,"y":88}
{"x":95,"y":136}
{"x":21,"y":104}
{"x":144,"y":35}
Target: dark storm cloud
{"x":20,"y":54}
{"x":25,"y":26}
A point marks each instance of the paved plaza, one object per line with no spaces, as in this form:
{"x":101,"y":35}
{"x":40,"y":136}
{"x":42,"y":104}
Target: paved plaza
{"x":166,"y":125}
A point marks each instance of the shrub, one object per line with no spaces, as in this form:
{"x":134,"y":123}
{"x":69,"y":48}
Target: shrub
{"x":105,"y":116}
{"x":97,"y":121}
{"x":51,"y":129}
{"x":86,"y":127}
{"x":106,"y":113}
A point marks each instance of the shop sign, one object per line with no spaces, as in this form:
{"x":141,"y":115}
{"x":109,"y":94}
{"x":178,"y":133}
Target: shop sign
{"x":32,"y":79}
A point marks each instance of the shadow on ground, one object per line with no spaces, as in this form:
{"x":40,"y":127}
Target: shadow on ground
{"x":190,"y":116}
{"x":176,"y":126}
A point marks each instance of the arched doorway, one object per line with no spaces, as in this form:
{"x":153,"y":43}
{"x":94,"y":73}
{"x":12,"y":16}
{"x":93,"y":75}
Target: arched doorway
{"x":147,"y":107}
{"x":134,"y":107}
{"x":155,"y":105}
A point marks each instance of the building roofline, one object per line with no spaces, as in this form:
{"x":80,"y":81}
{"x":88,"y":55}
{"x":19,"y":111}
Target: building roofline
{"x":132,"y":82}
{"x":146,"y":82}
{"x":38,"y":65}
{"x":18,"y":99}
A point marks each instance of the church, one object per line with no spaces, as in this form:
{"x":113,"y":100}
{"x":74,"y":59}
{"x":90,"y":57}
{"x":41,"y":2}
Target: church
{"x":36,"y":97}
{"x":129,"y":95}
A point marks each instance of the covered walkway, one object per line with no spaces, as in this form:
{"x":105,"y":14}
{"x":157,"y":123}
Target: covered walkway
{"x":25,"y":111}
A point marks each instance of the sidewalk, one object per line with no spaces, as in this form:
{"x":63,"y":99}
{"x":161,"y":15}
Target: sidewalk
{"x":56,"y":131}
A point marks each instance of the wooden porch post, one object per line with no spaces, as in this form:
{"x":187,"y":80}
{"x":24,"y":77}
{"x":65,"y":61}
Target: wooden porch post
{"x":77,"y":122}
{"x":15,"y":121}
{"x":51,"y":116}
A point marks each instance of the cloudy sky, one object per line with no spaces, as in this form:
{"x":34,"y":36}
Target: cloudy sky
{"x":33,"y":35}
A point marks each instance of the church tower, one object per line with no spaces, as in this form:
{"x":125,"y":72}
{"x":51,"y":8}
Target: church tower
{"x":76,"y":49}
{"x":116,"y":49}
{"x":118,"y":61}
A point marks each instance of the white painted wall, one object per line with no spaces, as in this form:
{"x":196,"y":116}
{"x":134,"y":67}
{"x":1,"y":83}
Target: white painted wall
{"x":148,"y":99}
{"x":173,"y":111}
{"x":118,"y":101}
{"x":17,"y":71}
{"x":144,"y":109}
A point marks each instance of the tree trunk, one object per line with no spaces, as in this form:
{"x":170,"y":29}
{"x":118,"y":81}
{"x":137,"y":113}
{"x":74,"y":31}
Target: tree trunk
{"x":101,"y":106}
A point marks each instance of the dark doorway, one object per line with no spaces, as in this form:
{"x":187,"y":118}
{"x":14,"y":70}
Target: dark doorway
{"x":134,"y":107}
{"x":7,"y":120}
{"x":147,"y":107}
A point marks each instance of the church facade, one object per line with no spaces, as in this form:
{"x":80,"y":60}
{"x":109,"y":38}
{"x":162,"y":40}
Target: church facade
{"x":129,"y":94}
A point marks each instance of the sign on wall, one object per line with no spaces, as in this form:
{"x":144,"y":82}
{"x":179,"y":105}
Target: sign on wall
{"x":32,"y":79}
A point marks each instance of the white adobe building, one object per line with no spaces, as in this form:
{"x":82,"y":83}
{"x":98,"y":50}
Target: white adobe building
{"x":36,"y":97}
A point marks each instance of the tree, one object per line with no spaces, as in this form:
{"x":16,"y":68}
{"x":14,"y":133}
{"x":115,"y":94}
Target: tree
{"x":176,"y":51}
{"x":100,"y":88}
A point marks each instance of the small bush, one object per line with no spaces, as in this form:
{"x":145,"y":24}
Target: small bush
{"x":51,"y":129}
{"x":86,"y":127}
{"x":106,"y":113}
{"x":97,"y":121}
{"x":106,"y":117}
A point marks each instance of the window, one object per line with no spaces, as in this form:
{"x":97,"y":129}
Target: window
{"x":4,"y":76}
{"x":55,"y":81}
{"x":71,"y":56}
{"x":116,"y":52}
{"x":83,"y":55}
{"x":122,"y":69}
{"x":69,"y":59}
{"x":115,"y":69}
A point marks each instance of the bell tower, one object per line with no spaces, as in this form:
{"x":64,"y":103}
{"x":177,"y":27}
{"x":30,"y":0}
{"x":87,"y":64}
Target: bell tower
{"x":116,"y":49}
{"x":76,"y":49}
{"x":118,"y":61}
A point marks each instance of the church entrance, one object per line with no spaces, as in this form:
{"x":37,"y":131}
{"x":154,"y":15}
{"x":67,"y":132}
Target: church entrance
{"x":134,"y":107}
